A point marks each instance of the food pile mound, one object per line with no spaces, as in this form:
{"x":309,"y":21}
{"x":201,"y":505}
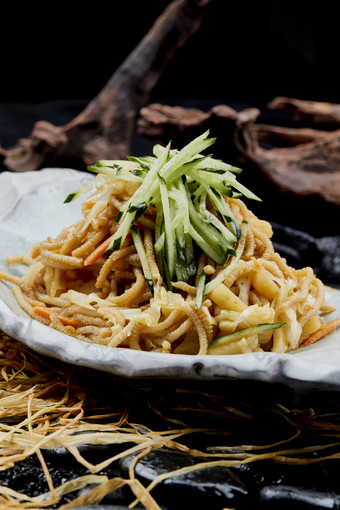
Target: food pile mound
{"x":168,"y":258}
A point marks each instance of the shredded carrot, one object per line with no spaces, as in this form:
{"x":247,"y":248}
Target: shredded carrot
{"x":98,"y":252}
{"x":44,"y":311}
{"x":324,"y":330}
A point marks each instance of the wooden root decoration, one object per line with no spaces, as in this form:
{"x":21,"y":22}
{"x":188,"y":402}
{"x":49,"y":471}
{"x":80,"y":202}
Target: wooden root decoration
{"x":104,"y":129}
{"x":300,"y":161}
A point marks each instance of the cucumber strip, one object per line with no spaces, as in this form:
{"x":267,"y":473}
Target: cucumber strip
{"x":185,"y":155}
{"x":159,"y":240}
{"x":159,"y":244}
{"x":218,"y":165}
{"x":251,"y":330}
{"x":218,"y":181}
{"x":159,"y":222}
{"x":165,"y":272}
{"x":138,"y":242}
{"x":159,"y":253}
{"x":158,"y":150}
{"x":208,"y":238}
{"x":149,"y":186}
{"x":141,"y":196}
{"x":124,"y":170}
{"x":161,"y":260}
{"x":217,"y":257}
{"x":232,"y":264}
{"x":223,"y":210}
{"x":185,"y":264}
{"x":226,"y":233}
{"x":184,"y":169}
{"x":169,"y":234}
{"x":80,"y":192}
{"x":200,"y":290}
{"x":144,"y":161}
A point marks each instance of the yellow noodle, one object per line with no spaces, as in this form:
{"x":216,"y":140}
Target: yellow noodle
{"x":207,"y":323}
{"x":159,"y":329}
{"x":131,"y":293}
{"x":141,"y":298}
{"x":150,"y":253}
{"x":184,"y":327}
{"x":133,"y":259}
{"x":198,"y":324}
{"x":13,"y":259}
{"x":242,"y":268}
{"x":264,"y":246}
{"x":110,"y":263}
{"x":184,"y":286}
{"x":47,"y":299}
{"x":134,"y":338}
{"x":91,"y":243}
{"x":60,"y":261}
{"x":26,"y":306}
{"x":30,"y":295}
{"x":116,"y":315}
{"x":9,"y":277}
{"x":67,"y":330}
{"x":319,"y":298}
{"x":120,"y":336}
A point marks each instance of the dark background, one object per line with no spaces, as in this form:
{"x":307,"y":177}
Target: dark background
{"x":55,"y":59}
{"x":244,"y":50}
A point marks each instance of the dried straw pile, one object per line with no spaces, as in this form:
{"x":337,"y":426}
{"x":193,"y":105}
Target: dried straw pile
{"x":45,"y":405}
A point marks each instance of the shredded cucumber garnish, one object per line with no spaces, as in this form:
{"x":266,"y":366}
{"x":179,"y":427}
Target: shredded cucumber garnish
{"x":187,"y":189}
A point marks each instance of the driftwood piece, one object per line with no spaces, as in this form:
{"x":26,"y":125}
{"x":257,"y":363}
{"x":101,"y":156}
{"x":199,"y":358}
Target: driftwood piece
{"x":311,"y":168}
{"x":284,"y":136}
{"x":306,"y":162}
{"x":318,"y":112}
{"x":104,"y":129}
{"x":161,"y":123}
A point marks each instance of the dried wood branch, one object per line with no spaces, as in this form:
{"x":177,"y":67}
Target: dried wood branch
{"x":283,"y":136}
{"x":302,"y":162}
{"x":318,"y":112}
{"x":310,"y":168}
{"x":161,"y":123}
{"x":104,"y":129}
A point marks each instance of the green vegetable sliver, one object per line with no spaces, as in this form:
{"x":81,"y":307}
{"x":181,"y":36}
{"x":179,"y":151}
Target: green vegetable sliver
{"x":169,"y":237}
{"x":138,"y":242}
{"x":239,"y":334}
{"x":222,"y":275}
{"x":141,"y":196}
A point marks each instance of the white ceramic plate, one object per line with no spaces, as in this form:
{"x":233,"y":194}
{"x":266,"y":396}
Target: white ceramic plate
{"x":32,"y":208}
